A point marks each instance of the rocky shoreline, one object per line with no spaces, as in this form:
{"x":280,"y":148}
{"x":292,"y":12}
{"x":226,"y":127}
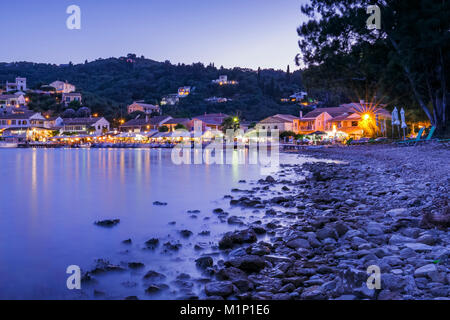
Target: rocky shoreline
{"x":311,"y":231}
{"x":385,"y":206}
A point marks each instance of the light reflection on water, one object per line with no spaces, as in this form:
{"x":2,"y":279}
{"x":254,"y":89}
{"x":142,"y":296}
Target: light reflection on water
{"x":49,"y":200}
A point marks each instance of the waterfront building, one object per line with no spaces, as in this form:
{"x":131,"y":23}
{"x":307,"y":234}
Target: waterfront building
{"x":85,"y":125}
{"x":144,"y":124}
{"x":212,"y":121}
{"x":54,"y":123}
{"x":281,"y":122}
{"x":21,"y":120}
{"x":344,"y":118}
{"x":190,"y":124}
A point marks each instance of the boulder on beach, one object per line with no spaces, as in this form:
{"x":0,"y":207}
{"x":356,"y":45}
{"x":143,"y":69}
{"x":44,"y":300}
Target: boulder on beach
{"x":231,"y":239}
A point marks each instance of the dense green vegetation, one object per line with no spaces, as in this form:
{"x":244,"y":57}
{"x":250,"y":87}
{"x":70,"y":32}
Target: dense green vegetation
{"x":109,"y":85}
{"x":405,"y":63}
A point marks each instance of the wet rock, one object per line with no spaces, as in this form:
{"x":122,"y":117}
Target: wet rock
{"x":248,"y":263}
{"x":397,"y":212}
{"x":135,"y":265}
{"x":205,"y":233}
{"x":152,"y":243}
{"x":427,"y":239}
{"x":418,"y":247}
{"x":108,"y":223}
{"x":298,"y":243}
{"x":186,"y":233}
{"x":243,"y":285}
{"x":219,"y":288}
{"x":326,"y":232}
{"x":218,"y":211}
{"x":279,"y":200}
{"x":158,"y":203}
{"x":154,"y":276}
{"x":312,"y":293}
{"x":425,"y":270}
{"x":171,"y":246}
{"x":270,"y":179}
{"x":231,"y":239}
{"x":398,"y":239}
{"x":389,"y":295}
{"x":235,"y":220}
{"x":204,"y":262}
{"x":131,"y":298}
{"x":193,"y":211}
{"x":128,"y":241}
{"x":183,"y":276}
{"x":105,"y":266}
{"x":231,"y":273}
{"x":259,"y":230}
{"x":153,"y":288}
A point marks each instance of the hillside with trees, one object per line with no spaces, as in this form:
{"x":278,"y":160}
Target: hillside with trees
{"x":109,"y":85}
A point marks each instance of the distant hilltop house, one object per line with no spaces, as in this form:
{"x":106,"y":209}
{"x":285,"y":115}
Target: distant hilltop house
{"x":19,"y":85}
{"x":12,"y":101}
{"x":143,"y":107}
{"x":63,"y":87}
{"x":281,"y":122}
{"x":217,"y":100}
{"x":144,"y":124}
{"x":170,"y":100}
{"x":85,"y":125}
{"x":298,"y":96}
{"x":184,"y":92}
{"x":67,"y":98}
{"x":223,"y":80}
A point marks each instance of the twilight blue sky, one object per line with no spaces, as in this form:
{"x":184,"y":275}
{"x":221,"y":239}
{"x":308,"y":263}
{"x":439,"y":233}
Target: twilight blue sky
{"x":244,"y":33}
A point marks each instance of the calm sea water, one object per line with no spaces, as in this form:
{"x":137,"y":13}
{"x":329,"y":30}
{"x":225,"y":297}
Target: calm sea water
{"x":50,"y":199}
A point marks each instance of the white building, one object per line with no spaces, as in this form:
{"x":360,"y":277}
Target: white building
{"x":184,"y":92}
{"x":63,"y":87}
{"x":85,"y":125}
{"x":281,"y":122}
{"x":53,"y":122}
{"x":170,"y":100}
{"x":299,"y":96}
{"x":67,"y":98}
{"x":143,"y":107}
{"x":22,"y":120}
{"x":19,"y":85}
{"x":11,"y":101}
{"x":223,"y":80}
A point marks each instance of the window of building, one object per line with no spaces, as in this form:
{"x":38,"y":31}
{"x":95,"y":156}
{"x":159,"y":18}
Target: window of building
{"x":354,"y":123}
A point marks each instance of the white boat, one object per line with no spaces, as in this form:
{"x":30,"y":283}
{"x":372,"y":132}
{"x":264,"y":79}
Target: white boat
{"x":8,"y":144}
{"x":85,"y":145}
